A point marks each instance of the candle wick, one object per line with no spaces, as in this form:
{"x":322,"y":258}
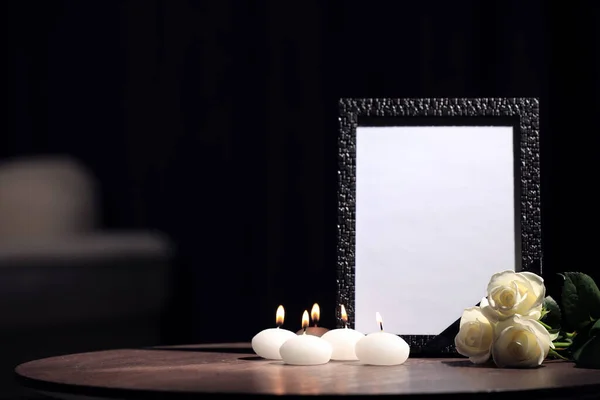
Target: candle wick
{"x":304,"y":332}
{"x":381,"y":325}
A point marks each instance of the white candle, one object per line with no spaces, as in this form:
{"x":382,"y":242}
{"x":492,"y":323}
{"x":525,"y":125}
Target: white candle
{"x":382,"y":348}
{"x":343,"y":341}
{"x":305,"y":349}
{"x":266,"y":343}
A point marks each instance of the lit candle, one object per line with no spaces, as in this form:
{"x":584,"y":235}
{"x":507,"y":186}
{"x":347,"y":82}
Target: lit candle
{"x":382,"y":348}
{"x":343,"y":341}
{"x":305,"y":349}
{"x":315,"y":330}
{"x":266,"y":343}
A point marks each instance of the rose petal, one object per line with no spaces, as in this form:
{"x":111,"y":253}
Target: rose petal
{"x":537,"y":328}
{"x":499,"y":349}
{"x":537,"y":292}
{"x":510,"y":278}
{"x":522,"y":281}
{"x":468,"y":351}
{"x":482,"y":359}
{"x":462,"y":348}
{"x":537,"y":343}
{"x":537,"y":283}
{"x":474,"y":323}
{"x":472,"y":314}
{"x":542,"y":356}
{"x":488,"y":311}
{"x":502,"y":325}
{"x":535,"y":313}
{"x":503,"y":278}
{"x":527,"y":300}
{"x":539,"y":331}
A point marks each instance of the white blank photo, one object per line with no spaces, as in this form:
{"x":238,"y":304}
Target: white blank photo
{"x":435,"y":219}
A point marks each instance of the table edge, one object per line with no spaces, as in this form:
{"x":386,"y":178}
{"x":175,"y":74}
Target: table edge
{"x":571,"y":392}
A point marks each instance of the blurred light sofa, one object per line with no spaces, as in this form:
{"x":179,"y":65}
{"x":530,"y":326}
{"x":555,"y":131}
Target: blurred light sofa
{"x":66,"y":285}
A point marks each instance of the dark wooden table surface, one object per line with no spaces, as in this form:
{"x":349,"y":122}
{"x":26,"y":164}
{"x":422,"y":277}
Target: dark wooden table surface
{"x":232,"y":369}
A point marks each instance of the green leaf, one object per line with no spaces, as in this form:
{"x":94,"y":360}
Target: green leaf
{"x":588,"y":355}
{"x":579,"y":340}
{"x":595,"y":329}
{"x":581,"y":299}
{"x":553,"y":315}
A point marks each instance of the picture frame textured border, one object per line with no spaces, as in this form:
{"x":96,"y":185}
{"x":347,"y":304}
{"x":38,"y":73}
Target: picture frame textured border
{"x":351,"y":109}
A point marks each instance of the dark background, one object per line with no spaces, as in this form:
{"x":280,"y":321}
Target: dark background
{"x":216,"y":122}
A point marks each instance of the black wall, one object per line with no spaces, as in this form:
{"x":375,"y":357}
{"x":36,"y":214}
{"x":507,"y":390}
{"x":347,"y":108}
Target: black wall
{"x":215,"y":122}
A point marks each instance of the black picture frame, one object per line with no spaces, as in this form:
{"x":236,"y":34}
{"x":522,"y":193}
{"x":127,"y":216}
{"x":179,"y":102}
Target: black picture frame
{"x":522,"y":113}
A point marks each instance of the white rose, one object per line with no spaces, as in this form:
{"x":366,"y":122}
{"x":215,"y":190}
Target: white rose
{"x":510,"y":293}
{"x":493,"y":316}
{"x":475,"y":337}
{"x":520,"y":342}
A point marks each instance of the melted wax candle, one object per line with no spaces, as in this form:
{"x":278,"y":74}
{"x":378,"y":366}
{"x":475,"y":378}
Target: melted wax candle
{"x":315,"y":330}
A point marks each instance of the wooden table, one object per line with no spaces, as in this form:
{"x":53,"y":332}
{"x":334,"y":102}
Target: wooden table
{"x":232,"y":369}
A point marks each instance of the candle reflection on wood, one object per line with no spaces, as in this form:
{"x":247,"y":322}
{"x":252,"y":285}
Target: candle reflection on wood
{"x":315,"y":330}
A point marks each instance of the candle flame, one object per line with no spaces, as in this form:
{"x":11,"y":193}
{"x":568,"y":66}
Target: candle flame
{"x":379,"y":320}
{"x":280,"y":316}
{"x":305,"y":320}
{"x":344,"y":315}
{"x":315,"y":313}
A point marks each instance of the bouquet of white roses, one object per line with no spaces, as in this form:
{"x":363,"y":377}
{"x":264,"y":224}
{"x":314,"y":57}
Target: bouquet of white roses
{"x":517,"y":325}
